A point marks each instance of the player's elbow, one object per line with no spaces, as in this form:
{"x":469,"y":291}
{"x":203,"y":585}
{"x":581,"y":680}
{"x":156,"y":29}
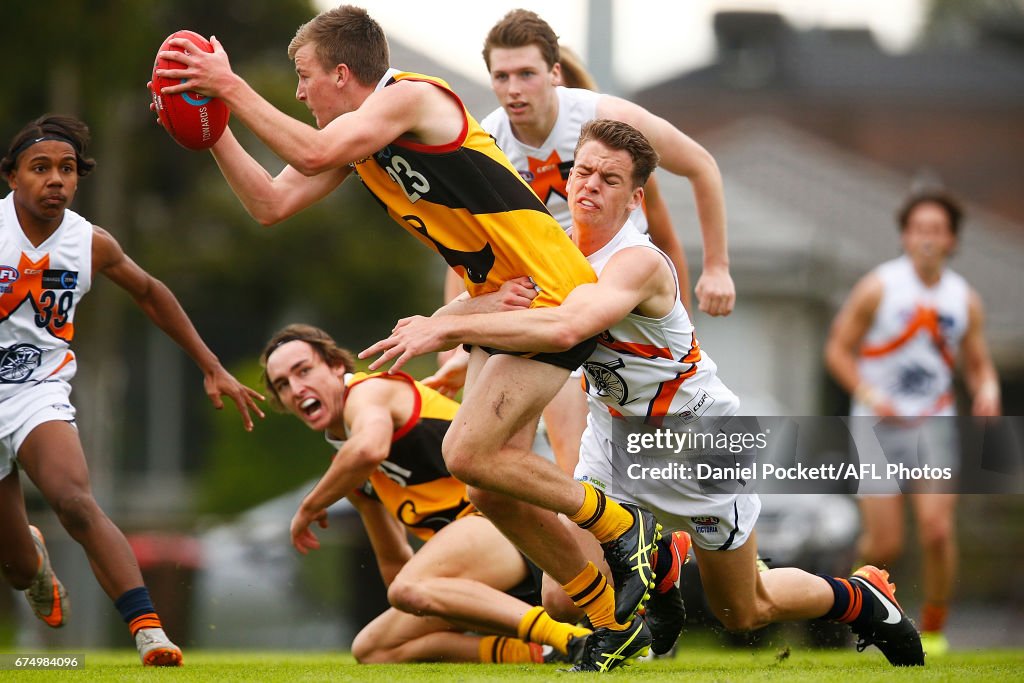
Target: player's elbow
{"x":368,"y":456}
{"x":313,"y":161}
{"x":564,"y":336}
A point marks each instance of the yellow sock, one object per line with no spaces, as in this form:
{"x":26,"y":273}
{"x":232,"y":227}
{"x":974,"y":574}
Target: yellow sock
{"x":537,"y":626}
{"x":604,"y":518}
{"x":591,"y":592}
{"x":502,"y":650}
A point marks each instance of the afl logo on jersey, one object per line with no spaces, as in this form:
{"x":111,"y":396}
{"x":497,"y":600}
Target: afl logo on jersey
{"x":8,"y":274}
{"x":18,"y":362}
{"x":527,"y":176}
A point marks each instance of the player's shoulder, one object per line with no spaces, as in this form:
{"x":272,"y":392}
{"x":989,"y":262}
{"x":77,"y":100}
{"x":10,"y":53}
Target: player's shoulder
{"x":495,"y":122}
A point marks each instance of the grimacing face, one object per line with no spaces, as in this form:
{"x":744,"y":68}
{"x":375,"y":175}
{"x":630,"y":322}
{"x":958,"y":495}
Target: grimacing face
{"x":306,"y":385}
{"x":600,"y":188}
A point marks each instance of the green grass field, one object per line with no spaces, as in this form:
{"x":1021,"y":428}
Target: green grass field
{"x":810,"y":666}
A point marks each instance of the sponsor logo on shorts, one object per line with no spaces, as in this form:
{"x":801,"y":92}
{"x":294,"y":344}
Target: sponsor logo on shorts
{"x":706,"y":524}
{"x":594,"y":481}
{"x":696,"y":406}
{"x":18,"y":362}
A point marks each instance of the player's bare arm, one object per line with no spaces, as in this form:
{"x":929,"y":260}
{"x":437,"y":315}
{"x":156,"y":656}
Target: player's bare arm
{"x":635,"y":279}
{"x":979,"y":371}
{"x":369,"y":416}
{"x":271,"y":199}
{"x":664,"y":236}
{"x":161,"y":306}
{"x":680,"y":154}
{"x":389,"y":539}
{"x":849,"y":328}
{"x":404,"y":109}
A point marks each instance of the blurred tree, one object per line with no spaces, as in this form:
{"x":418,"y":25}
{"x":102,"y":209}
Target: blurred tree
{"x":964,"y":23}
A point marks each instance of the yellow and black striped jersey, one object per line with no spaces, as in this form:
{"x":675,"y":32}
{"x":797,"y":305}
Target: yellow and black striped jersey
{"x":466,"y":201}
{"x":413,"y":483}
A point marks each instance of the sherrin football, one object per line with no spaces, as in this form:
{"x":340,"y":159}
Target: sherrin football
{"x":194,"y":121}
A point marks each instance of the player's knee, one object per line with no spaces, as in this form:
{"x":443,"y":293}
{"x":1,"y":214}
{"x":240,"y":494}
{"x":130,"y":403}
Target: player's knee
{"x":77,"y":512}
{"x":737,"y":620}
{"x":20,"y":571}
{"x":936,"y":533}
{"x":408,"y":596}
{"x":559,"y":605}
{"x":366,"y":651}
{"x":463,"y":464}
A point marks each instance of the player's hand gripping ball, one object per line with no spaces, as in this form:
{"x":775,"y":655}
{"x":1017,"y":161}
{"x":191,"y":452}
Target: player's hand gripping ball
{"x":194,"y":121}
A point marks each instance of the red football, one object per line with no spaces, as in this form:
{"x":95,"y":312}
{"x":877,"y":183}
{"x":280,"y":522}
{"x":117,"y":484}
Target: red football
{"x":194,"y":121}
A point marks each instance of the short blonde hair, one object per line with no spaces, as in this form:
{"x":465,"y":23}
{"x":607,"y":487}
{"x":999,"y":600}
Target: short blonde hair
{"x":346,"y":35}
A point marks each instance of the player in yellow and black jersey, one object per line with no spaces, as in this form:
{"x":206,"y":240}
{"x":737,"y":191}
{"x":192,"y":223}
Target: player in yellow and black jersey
{"x":421,"y":154}
{"x":388,"y":431}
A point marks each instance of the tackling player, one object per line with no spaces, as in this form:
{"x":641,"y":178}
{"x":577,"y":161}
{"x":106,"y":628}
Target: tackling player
{"x":647,"y":346}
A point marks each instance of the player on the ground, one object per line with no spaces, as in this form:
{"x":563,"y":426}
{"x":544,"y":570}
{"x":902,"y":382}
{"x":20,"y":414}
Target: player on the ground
{"x":893,"y":346}
{"x":649,"y":367}
{"x":441,"y":176}
{"x":49,"y":258}
{"x":387,"y":430}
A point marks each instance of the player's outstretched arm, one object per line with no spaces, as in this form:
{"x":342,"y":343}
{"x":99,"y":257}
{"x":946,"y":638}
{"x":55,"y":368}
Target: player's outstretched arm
{"x":633,"y":278}
{"x":271,"y":199}
{"x":680,"y":154}
{"x":979,"y":371}
{"x":368,"y":414}
{"x":664,"y":236}
{"x":161,"y":306}
{"x":380,"y":119}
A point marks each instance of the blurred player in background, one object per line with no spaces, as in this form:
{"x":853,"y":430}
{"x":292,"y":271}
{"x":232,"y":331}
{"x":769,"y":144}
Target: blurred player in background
{"x":49,"y":257}
{"x":893,"y":346}
{"x":388,"y":430}
{"x":441,"y":177}
{"x":648,"y":367}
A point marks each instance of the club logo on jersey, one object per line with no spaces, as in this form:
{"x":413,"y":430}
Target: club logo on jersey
{"x":606,"y":381}
{"x":18,"y":362}
{"x":433,"y":521}
{"x":548,"y":176}
{"x":696,"y":406}
{"x":477,"y":264}
{"x":914,"y":380}
{"x":705,"y":524}
{"x":60,"y":279}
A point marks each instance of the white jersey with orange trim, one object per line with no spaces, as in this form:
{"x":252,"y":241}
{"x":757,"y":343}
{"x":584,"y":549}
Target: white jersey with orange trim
{"x":546,"y":168}
{"x":651,"y":367}
{"x":910,"y":350}
{"x":40,"y":287}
